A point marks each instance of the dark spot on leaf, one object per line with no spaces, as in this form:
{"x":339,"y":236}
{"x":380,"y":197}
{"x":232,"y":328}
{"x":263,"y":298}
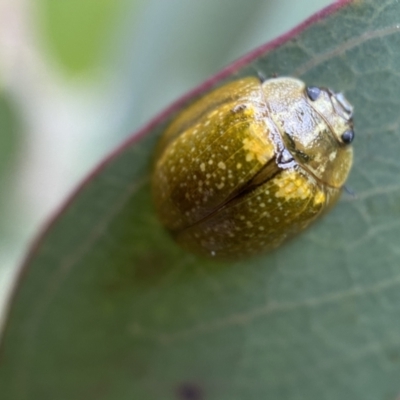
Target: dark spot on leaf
{"x":394,"y":355}
{"x":190,"y":391}
{"x":150,"y":267}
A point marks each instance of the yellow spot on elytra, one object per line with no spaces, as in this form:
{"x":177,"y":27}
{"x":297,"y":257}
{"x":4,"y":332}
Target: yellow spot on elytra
{"x":203,"y":167}
{"x":292,"y":186}
{"x":319,"y":198}
{"x":249,"y":157}
{"x":238,"y":165}
{"x":258,"y":147}
{"x":220,"y":186}
{"x":221,"y":165}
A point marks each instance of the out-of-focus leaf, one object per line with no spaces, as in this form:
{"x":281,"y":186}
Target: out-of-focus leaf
{"x":9,"y":137}
{"x":108,"y":307}
{"x":78,"y":31}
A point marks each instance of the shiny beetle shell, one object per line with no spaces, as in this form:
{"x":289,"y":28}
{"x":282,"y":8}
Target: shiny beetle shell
{"x":251,"y":164}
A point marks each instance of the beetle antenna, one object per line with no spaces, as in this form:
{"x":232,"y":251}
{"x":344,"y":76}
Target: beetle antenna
{"x":349,"y":191}
{"x":261,"y":76}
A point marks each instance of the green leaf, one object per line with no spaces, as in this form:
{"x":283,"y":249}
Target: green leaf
{"x":78,"y":31}
{"x":107,"y":307}
{"x":10,"y":127}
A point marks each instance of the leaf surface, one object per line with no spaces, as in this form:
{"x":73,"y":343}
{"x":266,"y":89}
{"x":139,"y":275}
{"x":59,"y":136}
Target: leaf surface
{"x":107,"y":307}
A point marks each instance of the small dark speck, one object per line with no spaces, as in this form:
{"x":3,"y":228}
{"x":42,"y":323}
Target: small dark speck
{"x":394,"y":356}
{"x":239,"y":107}
{"x":190,"y":391}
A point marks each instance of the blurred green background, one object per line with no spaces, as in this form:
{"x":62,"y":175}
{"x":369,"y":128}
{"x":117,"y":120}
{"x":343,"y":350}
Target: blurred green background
{"x":79,"y":76}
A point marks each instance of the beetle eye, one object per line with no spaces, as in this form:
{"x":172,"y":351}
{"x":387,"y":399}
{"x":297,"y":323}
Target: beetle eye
{"x":313,"y":92}
{"x":348,"y":136}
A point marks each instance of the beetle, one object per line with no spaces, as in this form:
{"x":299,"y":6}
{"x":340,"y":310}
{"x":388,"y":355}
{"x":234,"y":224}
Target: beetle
{"x":251,"y":164}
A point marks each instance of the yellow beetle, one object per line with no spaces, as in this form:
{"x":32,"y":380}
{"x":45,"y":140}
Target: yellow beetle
{"x":251,"y":164}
